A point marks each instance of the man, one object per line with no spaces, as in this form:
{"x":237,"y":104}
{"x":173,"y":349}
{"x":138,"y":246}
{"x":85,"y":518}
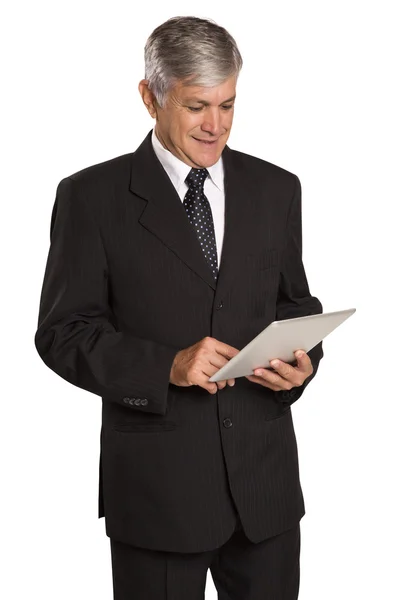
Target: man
{"x":163,"y":264}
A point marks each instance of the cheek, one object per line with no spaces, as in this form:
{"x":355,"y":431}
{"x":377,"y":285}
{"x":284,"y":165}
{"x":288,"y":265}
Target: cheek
{"x":227,"y":120}
{"x":178,"y":130}
{"x":193,"y":126}
{"x":191,"y":123}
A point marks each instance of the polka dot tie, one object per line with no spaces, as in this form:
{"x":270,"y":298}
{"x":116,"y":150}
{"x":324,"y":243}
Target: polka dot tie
{"x":200,"y":216}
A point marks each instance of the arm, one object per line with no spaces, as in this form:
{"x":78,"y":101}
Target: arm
{"x":76,"y":336}
{"x":294,"y":298}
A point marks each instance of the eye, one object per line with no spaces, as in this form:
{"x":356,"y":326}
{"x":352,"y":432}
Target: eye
{"x":227,"y":107}
{"x":195,"y":108}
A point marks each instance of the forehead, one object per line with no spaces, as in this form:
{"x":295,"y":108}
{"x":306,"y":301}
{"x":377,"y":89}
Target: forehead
{"x":220,"y":93}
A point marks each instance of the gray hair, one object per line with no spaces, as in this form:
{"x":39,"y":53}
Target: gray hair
{"x":191,"y":50}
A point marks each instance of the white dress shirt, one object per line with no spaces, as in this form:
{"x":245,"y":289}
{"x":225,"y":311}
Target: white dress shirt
{"x":177,"y":171}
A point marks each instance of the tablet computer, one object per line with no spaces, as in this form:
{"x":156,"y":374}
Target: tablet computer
{"x":280,"y":340}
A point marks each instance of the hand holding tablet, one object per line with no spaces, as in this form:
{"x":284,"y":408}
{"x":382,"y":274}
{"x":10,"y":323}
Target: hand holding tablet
{"x":284,"y":376}
{"x":280,"y":340}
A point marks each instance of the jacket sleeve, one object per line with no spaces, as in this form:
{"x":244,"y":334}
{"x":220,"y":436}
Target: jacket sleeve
{"x":77,"y":336}
{"x":294,"y":298}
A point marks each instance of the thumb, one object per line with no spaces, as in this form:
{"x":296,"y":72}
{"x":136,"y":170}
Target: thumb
{"x":300,"y":354}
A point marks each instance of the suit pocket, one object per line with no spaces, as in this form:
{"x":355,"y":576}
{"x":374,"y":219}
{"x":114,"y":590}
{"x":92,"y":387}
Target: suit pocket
{"x":149,"y":427}
{"x":280,"y":415}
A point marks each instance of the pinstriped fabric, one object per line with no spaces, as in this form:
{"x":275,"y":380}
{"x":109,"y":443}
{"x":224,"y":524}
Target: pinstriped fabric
{"x":125,"y":288}
{"x":240,"y":569}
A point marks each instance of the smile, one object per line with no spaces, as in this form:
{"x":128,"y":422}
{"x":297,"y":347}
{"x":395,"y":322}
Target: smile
{"x":205,"y":142}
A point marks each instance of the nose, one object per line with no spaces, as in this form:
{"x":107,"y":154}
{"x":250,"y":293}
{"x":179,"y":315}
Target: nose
{"x":212,"y":121}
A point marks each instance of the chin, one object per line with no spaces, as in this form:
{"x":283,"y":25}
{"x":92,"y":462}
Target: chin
{"x":207,"y":161}
{"x":207,"y":156}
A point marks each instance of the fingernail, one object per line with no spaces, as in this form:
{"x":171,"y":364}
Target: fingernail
{"x":258,"y":372}
{"x":299,"y":354}
{"x":275,"y":363}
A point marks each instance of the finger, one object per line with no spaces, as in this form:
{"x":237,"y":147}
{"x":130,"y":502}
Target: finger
{"x":264,"y":382}
{"x":286,"y":371}
{"x":226,"y":350}
{"x":271,"y":377}
{"x":221,"y":383}
{"x":216,"y":363}
{"x":304,"y":361}
{"x":211,"y":387}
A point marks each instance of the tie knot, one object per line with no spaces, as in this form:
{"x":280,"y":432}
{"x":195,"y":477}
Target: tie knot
{"x":196,"y":178}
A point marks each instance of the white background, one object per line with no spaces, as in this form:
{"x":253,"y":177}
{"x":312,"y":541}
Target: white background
{"x":318,"y":96}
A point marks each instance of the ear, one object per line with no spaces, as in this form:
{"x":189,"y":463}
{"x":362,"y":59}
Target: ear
{"x":148,"y":98}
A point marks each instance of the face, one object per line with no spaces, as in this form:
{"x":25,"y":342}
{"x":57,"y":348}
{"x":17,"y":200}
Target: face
{"x":195,"y":122}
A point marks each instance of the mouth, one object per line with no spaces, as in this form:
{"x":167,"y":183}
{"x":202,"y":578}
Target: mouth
{"x":205,"y":142}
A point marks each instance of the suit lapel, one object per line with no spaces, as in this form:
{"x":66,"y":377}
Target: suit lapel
{"x":239,"y":228}
{"x":165,"y":217}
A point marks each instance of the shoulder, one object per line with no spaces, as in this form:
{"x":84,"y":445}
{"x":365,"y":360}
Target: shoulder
{"x":262,"y":170}
{"x":92,"y":188}
{"x":101,"y":175}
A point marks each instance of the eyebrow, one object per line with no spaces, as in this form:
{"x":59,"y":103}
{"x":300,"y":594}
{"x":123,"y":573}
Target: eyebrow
{"x":207,"y":103}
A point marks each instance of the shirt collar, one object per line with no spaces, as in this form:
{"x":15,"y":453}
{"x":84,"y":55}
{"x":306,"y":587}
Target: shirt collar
{"x":178,"y":170}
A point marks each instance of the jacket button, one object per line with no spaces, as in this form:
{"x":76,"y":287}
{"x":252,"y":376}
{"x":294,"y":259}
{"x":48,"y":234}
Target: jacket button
{"x":292,"y":393}
{"x":220,"y":305}
{"x":126,"y":400}
{"x":227,"y":423}
{"x":144,"y":401}
{"x":137,"y":401}
{"x":132,"y":401}
{"x":285,"y":394}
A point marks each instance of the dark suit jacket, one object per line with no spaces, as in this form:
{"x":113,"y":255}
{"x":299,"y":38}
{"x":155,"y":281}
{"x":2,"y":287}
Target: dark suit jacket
{"x":126,"y":287}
